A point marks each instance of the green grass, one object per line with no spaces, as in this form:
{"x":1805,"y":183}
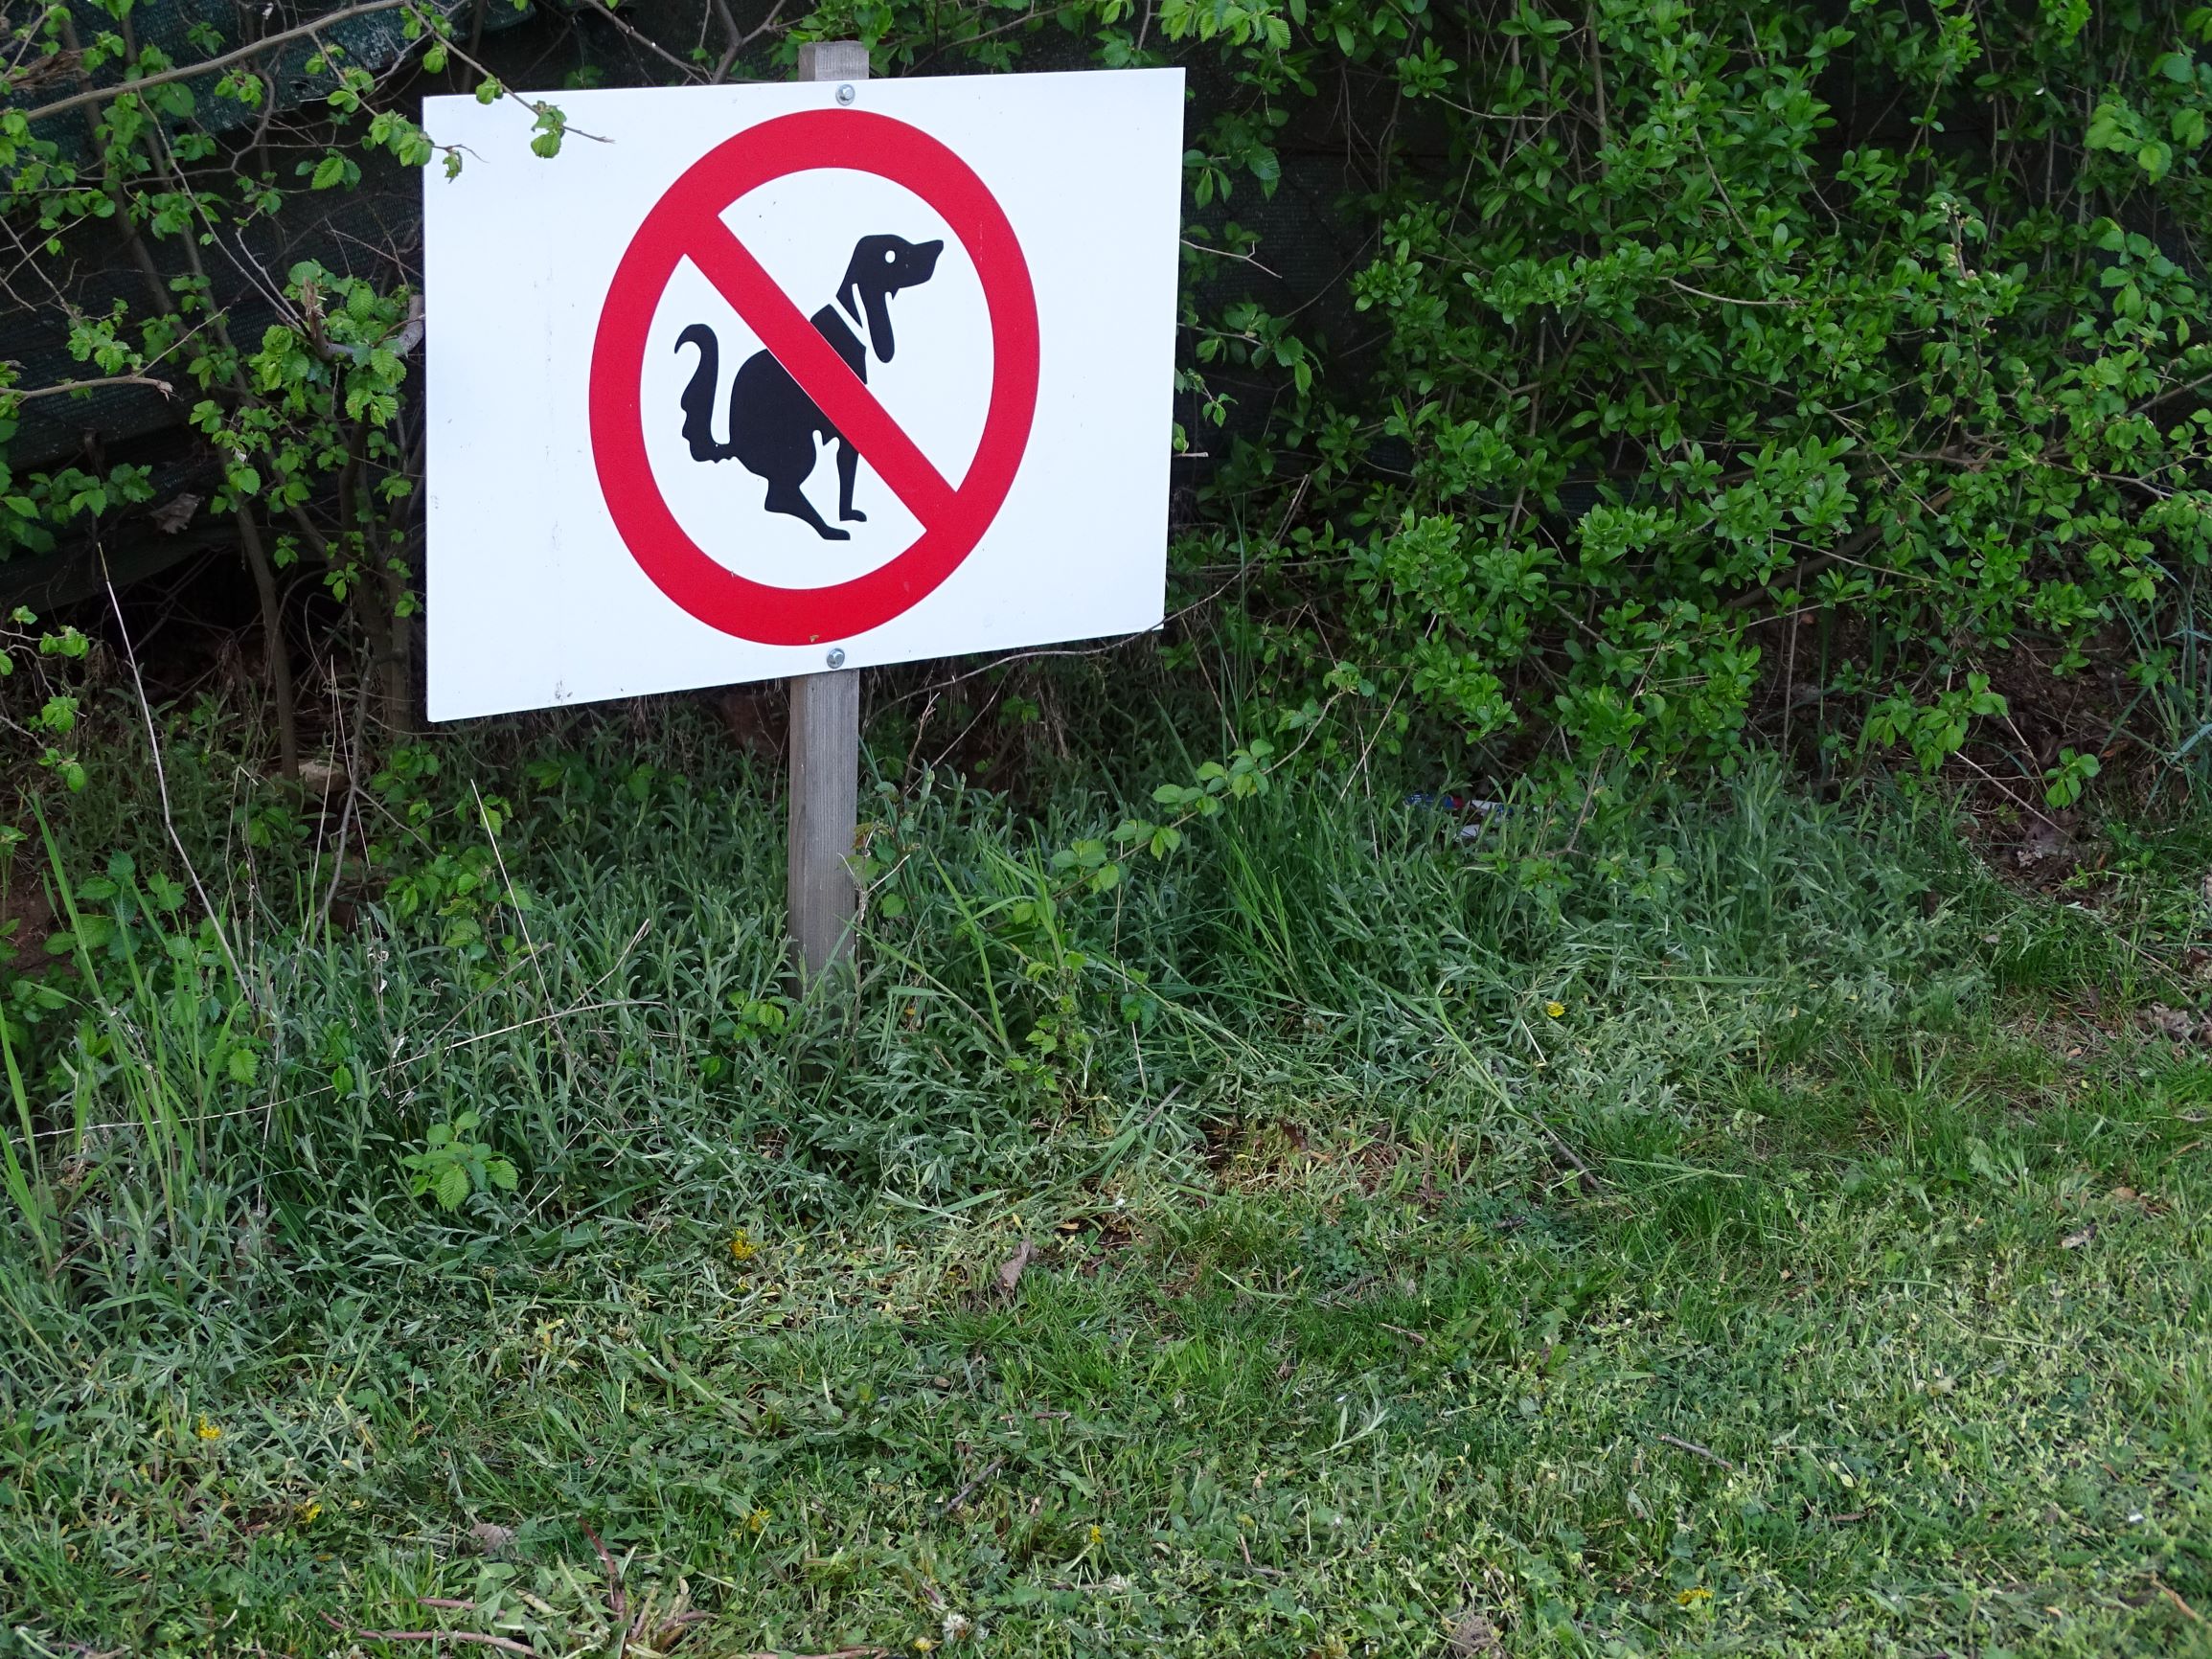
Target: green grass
{"x":1828,"y":1275}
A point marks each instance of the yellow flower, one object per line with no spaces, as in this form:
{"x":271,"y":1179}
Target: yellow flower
{"x":309,"y":1510}
{"x":1555,"y":1008}
{"x":208,"y":1430}
{"x":1096,"y":1534}
{"x":1691,"y":1597}
{"x":923,"y":1644}
{"x":757,"y":1521}
{"x":742,"y":1248}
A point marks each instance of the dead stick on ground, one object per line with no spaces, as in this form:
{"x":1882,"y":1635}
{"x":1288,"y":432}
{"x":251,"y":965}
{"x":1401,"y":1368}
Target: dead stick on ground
{"x":1704,"y":1452}
{"x":2168,"y":1592}
{"x":968,"y":1491}
{"x":1584,"y":1178}
{"x":1269,"y":1572}
{"x":614,"y":1593}
{"x":502,"y":1643}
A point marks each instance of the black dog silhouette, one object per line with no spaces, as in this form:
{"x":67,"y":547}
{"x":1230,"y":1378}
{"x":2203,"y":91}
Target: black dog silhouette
{"x":773,"y":424}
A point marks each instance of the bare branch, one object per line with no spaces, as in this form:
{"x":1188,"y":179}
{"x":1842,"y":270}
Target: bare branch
{"x":186,"y":71}
{"x":54,"y":391}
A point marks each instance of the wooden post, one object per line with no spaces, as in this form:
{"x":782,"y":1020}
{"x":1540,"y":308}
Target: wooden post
{"x":825,"y":745}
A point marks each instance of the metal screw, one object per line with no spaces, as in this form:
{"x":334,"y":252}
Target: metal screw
{"x":846,"y":93}
{"x":837,"y":658}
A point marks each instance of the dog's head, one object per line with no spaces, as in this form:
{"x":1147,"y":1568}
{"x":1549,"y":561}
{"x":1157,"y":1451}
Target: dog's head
{"x":882,"y":266}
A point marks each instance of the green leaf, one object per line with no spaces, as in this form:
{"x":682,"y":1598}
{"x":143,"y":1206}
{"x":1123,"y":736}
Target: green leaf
{"x":451,"y":1187}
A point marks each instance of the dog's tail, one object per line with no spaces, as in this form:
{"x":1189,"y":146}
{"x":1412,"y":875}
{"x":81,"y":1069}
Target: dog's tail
{"x":699,"y":399}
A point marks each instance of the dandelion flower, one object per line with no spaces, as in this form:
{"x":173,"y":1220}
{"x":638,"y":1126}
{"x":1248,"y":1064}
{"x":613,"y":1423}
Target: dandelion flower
{"x":1691,"y":1597}
{"x":1097,"y":1533}
{"x":208,"y":1430}
{"x":741,"y":1247}
{"x":1555,"y":1008}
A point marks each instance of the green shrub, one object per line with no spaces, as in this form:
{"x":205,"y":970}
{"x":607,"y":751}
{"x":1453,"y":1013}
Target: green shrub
{"x":1836,"y":365}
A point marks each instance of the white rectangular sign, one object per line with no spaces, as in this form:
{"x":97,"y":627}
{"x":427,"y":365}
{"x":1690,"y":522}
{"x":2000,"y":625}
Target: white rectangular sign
{"x":749,"y":375}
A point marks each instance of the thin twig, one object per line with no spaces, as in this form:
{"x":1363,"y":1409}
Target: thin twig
{"x":55,"y":390}
{"x":161,"y":781}
{"x":1267,"y":1572}
{"x":513,"y":903}
{"x":185,"y":71}
{"x":739,"y":42}
{"x":1704,"y":1452}
{"x":1586,"y":1179}
{"x":614,"y":1593}
{"x":1728,"y":299}
{"x":606,"y":13}
{"x":968,"y":1491}
{"x":353,"y":752}
{"x":504,"y":1643}
{"x":2166,"y":1590}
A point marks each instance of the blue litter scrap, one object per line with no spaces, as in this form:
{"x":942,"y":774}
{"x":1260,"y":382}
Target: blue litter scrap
{"x":1486,"y":812}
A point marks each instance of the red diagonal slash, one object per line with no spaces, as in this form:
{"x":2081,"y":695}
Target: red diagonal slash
{"x":821,"y":374}
{"x":686,"y":224}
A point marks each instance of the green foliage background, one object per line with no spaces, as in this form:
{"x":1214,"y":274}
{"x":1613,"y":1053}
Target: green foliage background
{"x":1831,"y":371}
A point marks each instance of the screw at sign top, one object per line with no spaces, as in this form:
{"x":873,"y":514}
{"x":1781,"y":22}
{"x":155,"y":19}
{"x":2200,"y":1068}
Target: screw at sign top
{"x":846,"y":93}
{"x":836,"y":657}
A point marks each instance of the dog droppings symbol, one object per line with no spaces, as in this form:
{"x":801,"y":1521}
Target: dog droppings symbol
{"x":773,"y":424}
{"x":809,"y":383}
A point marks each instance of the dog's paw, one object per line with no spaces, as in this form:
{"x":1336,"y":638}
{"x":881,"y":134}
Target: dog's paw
{"x":828,"y":535}
{"x":853,"y":515}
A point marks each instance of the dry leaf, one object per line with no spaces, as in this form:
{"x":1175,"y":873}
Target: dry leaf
{"x":320,"y":776}
{"x":2075,"y":1240}
{"x":173,"y":516}
{"x":1010,"y":1270}
{"x":2171,"y":1021}
{"x":1472,"y":1635}
{"x":2046,"y":840}
{"x":2123,"y":1194}
{"x":492,"y":1539}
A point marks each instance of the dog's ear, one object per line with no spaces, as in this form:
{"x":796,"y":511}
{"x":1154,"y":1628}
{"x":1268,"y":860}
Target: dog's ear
{"x":878,"y":303}
{"x":869,"y":280}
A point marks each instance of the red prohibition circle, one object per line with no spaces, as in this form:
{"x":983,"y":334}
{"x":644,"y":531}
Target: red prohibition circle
{"x":686,"y":223}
